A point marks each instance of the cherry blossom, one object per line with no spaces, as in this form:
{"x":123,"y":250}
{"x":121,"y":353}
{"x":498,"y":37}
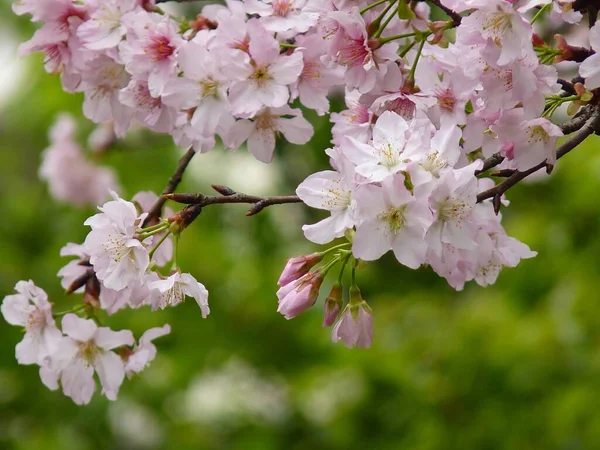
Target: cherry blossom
{"x":86,"y":349}
{"x":173,"y":290}
{"x":118,"y":257}
{"x":145,"y":352}
{"x":30,"y":308}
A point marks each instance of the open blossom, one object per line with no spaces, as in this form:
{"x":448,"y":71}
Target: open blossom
{"x":150,"y":48}
{"x":384,"y":155}
{"x":86,"y":349}
{"x":105,"y":28}
{"x":173,"y":290}
{"x":144,"y":200}
{"x":261,"y":131}
{"x":118,"y":257}
{"x":145,"y":352}
{"x":30,"y":309}
{"x":453,"y":201}
{"x":355,"y":326}
{"x":393,"y":219}
{"x":283,"y":15}
{"x":590,"y":68}
{"x":332,"y":191}
{"x":527,"y":143}
{"x":268,"y":75}
{"x":203,"y":86}
{"x":71,"y":177}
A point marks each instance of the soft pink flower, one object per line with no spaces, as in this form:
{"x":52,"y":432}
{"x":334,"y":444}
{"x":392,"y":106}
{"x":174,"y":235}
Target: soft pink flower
{"x":84,"y":350}
{"x":283,"y":15}
{"x":393,"y":219}
{"x":145,"y":352}
{"x":173,"y":290}
{"x":118,"y":257}
{"x":105,"y":28}
{"x":268,"y":75}
{"x":590,"y":68}
{"x":261,"y":131}
{"x":29,"y":308}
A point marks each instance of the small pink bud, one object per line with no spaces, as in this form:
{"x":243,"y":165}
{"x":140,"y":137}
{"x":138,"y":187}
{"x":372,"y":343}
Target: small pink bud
{"x":333,"y":304}
{"x":299,"y":295}
{"x":298,"y":266}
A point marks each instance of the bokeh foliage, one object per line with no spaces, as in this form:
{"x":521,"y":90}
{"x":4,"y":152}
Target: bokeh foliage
{"x":513,"y":366}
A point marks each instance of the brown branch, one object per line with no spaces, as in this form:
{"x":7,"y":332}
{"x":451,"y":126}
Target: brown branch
{"x":228,"y":195}
{"x":591,"y":125}
{"x":456,"y":17}
{"x":174,"y":181}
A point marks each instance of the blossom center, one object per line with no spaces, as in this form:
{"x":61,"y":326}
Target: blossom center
{"x":35,"y":321}
{"x":433,"y":163}
{"x":453,"y":210}
{"x":354,"y":53}
{"x":160,"y":48}
{"x":261,"y":75}
{"x":388,"y":155}
{"x":87,"y":351}
{"x":281,"y":7}
{"x":115,"y":247}
{"x":209,"y":88}
{"x":395,"y":218}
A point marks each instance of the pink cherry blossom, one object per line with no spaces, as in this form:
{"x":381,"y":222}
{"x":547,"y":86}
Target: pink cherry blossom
{"x":267,"y":77}
{"x":30,"y":309}
{"x":173,"y":290}
{"x":261,"y":131}
{"x":118,"y":257}
{"x":590,"y":68}
{"x":393,"y":219}
{"x":105,"y":28}
{"x":145,"y":352}
{"x":84,"y":350}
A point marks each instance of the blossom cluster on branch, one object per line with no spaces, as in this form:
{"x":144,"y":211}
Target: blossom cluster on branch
{"x":431,"y":107}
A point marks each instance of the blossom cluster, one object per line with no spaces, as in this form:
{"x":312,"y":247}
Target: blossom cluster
{"x":427,"y":101}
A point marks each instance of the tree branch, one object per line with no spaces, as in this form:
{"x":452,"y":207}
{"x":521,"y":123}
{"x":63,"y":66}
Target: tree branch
{"x":228,"y":195}
{"x":456,"y":18}
{"x":174,"y":181}
{"x":591,"y":125}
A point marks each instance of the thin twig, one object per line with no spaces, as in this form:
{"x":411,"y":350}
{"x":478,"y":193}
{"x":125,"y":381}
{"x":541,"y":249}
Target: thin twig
{"x":228,"y":195}
{"x":456,"y":18}
{"x":174,"y":181}
{"x":591,"y":126}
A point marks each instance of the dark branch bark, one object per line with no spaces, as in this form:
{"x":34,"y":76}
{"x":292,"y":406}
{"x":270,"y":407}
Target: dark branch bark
{"x":456,"y":18}
{"x":228,"y":195}
{"x":591,"y":125}
{"x":174,"y":181}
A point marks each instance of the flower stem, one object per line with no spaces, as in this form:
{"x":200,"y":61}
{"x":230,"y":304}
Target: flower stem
{"x":538,"y":14}
{"x":69,"y":311}
{"x":162,"y":239}
{"x":344,"y":263}
{"x":152,"y":228}
{"x":388,"y":20}
{"x":372,"y":5}
{"x":286,"y":45}
{"x":411,"y":75}
{"x":385,"y":40}
{"x":354,"y":272}
{"x":147,"y":234}
{"x":334,"y":248}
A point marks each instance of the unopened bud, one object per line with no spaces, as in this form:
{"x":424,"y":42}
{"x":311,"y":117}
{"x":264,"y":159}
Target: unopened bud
{"x":297,"y":267}
{"x":333,"y":304}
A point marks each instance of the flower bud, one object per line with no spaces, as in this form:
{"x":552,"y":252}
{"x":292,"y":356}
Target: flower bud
{"x":333,"y":304}
{"x":355,"y":327}
{"x":298,"y":266}
{"x":299,"y":295}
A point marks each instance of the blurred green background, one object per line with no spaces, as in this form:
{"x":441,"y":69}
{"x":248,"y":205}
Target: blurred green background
{"x":513,"y":366}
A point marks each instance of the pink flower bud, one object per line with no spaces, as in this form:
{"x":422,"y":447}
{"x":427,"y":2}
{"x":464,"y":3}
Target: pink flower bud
{"x":299,"y":295}
{"x":298,"y":266}
{"x":355,"y":327}
{"x":333,"y":304}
